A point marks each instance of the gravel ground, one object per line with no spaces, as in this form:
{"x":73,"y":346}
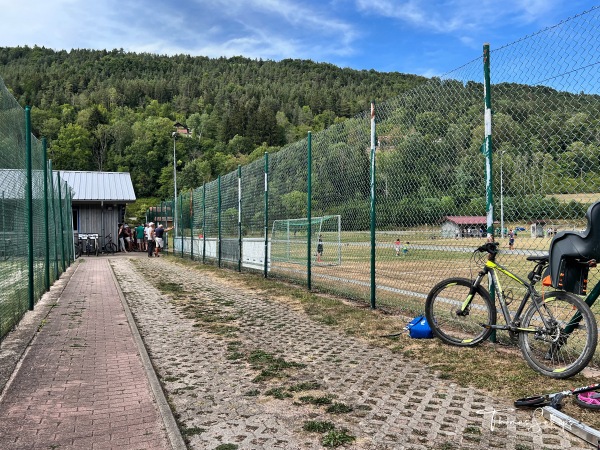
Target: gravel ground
{"x":244,"y":369}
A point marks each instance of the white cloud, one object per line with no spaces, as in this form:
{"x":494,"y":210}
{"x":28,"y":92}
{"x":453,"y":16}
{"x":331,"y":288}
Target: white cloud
{"x":456,"y":16}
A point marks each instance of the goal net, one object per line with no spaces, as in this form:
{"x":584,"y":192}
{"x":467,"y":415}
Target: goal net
{"x":289,"y":240}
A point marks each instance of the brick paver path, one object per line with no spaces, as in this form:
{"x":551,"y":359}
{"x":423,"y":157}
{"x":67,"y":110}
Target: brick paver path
{"x":81,"y":385}
{"x":211,"y":339}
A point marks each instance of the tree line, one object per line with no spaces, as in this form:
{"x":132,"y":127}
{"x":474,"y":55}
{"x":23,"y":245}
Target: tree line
{"x":115,"y":110}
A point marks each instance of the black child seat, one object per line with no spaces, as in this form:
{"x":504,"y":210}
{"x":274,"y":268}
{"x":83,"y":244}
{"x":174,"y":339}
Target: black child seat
{"x":569,"y":249}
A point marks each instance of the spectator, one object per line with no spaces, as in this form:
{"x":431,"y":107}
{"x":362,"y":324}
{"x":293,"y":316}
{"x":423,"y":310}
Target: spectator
{"x":121,"y":237}
{"x":150,"y":238}
{"x":397,"y":246}
{"x":139,"y":236}
{"x":128,"y":236}
{"x":158,"y":238}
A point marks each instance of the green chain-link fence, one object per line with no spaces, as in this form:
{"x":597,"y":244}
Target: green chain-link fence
{"x":36,"y":239}
{"x":432,"y":205}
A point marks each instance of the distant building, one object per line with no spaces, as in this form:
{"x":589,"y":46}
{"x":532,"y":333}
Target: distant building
{"x":464,"y":226}
{"x":99,"y":201}
{"x":182,"y":130}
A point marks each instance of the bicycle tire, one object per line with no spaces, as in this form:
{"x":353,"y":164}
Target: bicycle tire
{"x":443,"y":304}
{"x":531,"y":401}
{"x":111,"y":247}
{"x":552,"y":352}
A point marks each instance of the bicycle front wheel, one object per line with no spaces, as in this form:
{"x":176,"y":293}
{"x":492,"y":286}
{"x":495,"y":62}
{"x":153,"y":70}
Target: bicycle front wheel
{"x":563,"y":335}
{"x":450,"y":322}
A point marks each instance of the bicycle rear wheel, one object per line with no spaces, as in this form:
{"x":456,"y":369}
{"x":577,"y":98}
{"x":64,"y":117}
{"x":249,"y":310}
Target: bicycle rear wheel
{"x":111,"y":247}
{"x":567,"y":345}
{"x":449,"y":323}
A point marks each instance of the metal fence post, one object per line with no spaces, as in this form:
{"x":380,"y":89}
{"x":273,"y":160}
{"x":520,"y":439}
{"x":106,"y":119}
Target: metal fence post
{"x":70,"y":225}
{"x":181,"y":221}
{"x":219,"y":219}
{"x":62,"y":226}
{"x":239,"y":173}
{"x":46,"y":219}
{"x":308,"y":211}
{"x":203,"y":223}
{"x":487,"y":145}
{"x":373,"y":202}
{"x":266,"y":266}
{"x":29,"y":194}
{"x":192,"y":224}
{"x":56,"y":269}
{"x":486,"y":149}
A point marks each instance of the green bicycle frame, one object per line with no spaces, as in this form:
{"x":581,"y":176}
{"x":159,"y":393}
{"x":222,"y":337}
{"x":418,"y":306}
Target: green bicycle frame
{"x":491,"y":268}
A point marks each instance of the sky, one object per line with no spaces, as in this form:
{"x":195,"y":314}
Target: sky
{"x":423,"y":37}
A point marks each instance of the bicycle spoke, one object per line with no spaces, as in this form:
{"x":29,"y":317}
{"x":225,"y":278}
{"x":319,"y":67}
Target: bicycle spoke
{"x":562,"y":348}
{"x":453,"y":325}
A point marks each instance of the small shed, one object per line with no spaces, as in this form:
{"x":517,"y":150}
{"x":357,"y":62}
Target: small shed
{"x":464,"y":226}
{"x":99,"y":201}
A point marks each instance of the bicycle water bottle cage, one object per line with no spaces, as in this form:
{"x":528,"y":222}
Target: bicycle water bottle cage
{"x":571,"y":252}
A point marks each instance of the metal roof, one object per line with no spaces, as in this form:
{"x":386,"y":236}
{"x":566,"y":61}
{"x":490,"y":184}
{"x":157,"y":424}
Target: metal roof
{"x":99,"y":186}
{"x":467,"y":220}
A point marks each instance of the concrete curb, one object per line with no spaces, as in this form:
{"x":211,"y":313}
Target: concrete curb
{"x":173,"y":433}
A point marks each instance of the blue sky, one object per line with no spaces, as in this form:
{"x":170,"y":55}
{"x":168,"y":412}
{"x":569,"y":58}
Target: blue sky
{"x":424,"y":37}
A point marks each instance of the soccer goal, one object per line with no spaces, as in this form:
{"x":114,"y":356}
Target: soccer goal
{"x":289,"y":239}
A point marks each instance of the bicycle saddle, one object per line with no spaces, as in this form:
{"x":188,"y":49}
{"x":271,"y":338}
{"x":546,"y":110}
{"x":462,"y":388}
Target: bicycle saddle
{"x":584,"y":245}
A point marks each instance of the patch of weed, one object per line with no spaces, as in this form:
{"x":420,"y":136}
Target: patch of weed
{"x":336,"y":438}
{"x":193,"y":431}
{"x":226,"y":447}
{"x":318,"y":426}
{"x":339,"y":408}
{"x":315,"y":400}
{"x":278,"y":393}
{"x":168,"y":287}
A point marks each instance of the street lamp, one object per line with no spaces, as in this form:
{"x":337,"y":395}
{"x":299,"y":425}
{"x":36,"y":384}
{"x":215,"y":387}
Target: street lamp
{"x":174,"y":135}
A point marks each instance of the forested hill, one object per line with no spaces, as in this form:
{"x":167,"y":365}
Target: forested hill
{"x":114,"y":111}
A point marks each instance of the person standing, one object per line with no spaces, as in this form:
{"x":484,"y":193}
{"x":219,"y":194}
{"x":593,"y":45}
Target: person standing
{"x":122,"y":238}
{"x":158,"y":238}
{"x":511,"y":239}
{"x":319,"y":249}
{"x":150,"y":239}
{"x":397,"y":246}
{"x":139,"y":235}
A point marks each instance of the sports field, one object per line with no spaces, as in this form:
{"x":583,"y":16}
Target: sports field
{"x":402,"y":281}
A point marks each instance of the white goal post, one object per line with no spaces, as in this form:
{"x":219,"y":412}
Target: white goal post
{"x":289,"y":240}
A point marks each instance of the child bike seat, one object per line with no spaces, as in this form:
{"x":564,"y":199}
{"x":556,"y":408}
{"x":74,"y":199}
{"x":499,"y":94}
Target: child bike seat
{"x":573,"y":245}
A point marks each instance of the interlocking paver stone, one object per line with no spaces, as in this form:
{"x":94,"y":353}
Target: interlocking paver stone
{"x":397,"y":403}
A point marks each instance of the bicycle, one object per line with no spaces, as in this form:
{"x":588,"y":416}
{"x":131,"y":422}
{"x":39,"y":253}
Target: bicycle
{"x":110,"y":246}
{"x":557,"y":333}
{"x":91,"y":244}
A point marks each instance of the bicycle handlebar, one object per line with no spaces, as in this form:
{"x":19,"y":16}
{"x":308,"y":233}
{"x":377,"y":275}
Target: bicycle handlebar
{"x":489,"y":247}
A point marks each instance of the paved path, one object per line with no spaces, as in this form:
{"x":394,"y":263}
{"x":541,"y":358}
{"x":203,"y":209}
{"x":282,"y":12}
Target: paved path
{"x":240,"y":370}
{"x":82,"y":383}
